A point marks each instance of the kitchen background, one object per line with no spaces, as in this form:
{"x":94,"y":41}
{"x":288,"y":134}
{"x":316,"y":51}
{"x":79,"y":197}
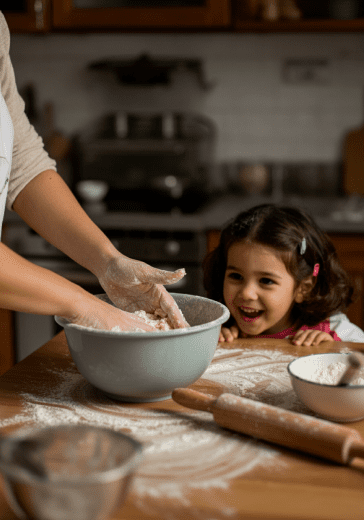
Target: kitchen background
{"x":281,"y":102}
{"x":258,"y":115}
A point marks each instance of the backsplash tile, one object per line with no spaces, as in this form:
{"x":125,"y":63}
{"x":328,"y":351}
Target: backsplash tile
{"x":258,"y":117}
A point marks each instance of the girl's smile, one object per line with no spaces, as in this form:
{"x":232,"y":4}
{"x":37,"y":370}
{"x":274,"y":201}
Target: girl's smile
{"x":258,"y":290}
{"x":250,"y":314}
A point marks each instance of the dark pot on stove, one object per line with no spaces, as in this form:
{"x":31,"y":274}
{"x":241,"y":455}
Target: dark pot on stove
{"x":170,"y":186}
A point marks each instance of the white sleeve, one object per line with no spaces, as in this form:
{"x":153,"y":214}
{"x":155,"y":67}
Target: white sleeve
{"x":346,"y":330}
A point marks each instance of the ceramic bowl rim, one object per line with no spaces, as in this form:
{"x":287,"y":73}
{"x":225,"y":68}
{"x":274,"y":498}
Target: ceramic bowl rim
{"x":316,"y":383}
{"x":161,"y":333}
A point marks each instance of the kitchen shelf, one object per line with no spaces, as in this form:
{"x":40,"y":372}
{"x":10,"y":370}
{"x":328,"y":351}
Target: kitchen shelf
{"x":172,"y":146}
{"x":217,"y":16}
{"x":212,"y":13}
{"x":298,"y":26}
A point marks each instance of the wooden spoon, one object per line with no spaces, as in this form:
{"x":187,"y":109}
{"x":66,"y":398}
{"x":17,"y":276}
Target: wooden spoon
{"x":356,"y":361}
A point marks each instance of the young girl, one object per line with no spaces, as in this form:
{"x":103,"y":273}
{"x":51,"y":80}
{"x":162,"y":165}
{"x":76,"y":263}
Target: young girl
{"x":280,"y":277}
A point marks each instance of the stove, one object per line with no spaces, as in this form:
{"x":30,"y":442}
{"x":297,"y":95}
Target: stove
{"x":153,"y":163}
{"x":151,"y":201}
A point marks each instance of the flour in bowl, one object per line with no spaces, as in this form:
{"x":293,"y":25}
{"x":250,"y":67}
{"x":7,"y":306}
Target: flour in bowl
{"x":331,"y":375}
{"x":155,"y":320}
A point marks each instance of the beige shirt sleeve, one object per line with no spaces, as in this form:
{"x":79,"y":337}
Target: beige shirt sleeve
{"x":29,"y":157}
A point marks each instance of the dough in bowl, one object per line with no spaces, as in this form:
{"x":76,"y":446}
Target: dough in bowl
{"x":154,"y":320}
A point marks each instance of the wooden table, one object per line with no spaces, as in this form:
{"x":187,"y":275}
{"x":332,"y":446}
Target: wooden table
{"x":192,"y":468}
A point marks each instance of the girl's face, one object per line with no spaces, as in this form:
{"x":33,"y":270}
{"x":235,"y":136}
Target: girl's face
{"x":258,"y":290}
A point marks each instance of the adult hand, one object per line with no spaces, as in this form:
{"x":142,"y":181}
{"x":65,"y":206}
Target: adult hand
{"x":133,"y":285}
{"x":98,"y":314}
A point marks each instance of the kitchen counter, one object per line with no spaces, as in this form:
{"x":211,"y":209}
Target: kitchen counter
{"x":192,"y":469}
{"x":321,"y":209}
{"x":221,"y":209}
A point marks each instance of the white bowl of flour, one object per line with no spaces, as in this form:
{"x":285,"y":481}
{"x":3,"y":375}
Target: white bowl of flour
{"x":147,"y":366}
{"x":315,"y":378}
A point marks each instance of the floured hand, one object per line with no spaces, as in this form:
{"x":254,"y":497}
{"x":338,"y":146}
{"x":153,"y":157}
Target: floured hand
{"x":98,"y":314}
{"x":133,"y":286}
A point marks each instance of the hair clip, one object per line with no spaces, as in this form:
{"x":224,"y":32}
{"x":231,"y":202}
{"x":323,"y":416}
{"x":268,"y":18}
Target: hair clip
{"x":316,"y":270}
{"x":303,"y":246}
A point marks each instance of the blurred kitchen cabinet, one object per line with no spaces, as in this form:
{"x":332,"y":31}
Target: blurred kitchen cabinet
{"x":27,"y":15}
{"x":7,"y":334}
{"x":350,"y":249}
{"x":7,"y":349}
{"x":297,"y":15}
{"x":139,"y":14}
{"x":213,"y":239}
{"x":241,"y":16}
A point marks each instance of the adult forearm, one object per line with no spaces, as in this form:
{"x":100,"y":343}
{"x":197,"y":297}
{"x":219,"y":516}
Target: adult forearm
{"x":26,"y":287}
{"x":49,"y":207}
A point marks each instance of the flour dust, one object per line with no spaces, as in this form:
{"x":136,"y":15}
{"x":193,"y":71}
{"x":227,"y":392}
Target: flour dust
{"x":182,"y":451}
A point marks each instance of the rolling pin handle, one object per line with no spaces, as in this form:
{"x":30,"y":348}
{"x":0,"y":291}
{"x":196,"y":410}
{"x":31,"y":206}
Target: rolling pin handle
{"x":192,"y":399}
{"x":356,"y":450}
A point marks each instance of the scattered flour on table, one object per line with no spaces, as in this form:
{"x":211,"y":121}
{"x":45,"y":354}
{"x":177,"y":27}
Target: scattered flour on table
{"x":182,"y":451}
{"x":331,"y":375}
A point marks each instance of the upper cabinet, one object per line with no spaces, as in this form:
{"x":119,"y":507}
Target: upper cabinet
{"x":120,"y":14}
{"x":159,"y":15}
{"x":27,"y":15}
{"x":298,"y":15}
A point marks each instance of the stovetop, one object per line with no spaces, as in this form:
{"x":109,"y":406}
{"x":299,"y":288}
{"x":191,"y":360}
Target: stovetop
{"x":147,"y":201}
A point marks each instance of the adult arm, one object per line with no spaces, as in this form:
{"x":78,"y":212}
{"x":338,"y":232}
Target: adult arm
{"x":49,"y":207}
{"x":26,"y":287}
{"x":39,"y":195}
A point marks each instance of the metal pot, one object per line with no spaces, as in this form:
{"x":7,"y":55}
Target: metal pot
{"x":170,"y":185}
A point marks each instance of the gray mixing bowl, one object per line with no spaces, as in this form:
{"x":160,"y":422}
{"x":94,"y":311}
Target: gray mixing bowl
{"x":147,"y":366}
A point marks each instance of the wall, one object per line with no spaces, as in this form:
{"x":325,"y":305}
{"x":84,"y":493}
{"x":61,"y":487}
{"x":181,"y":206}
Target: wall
{"x":258,"y":116}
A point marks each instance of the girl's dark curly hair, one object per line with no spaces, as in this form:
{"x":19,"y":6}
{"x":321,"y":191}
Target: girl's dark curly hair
{"x":282,"y":229}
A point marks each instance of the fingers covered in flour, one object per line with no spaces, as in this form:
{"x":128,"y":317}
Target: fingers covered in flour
{"x":98,"y":314}
{"x":171,"y":309}
{"x":134,"y":286}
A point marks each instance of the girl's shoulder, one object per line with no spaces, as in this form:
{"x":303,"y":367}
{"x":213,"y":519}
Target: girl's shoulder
{"x":344,"y":328}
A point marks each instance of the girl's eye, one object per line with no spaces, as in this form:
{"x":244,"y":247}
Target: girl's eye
{"x":266,"y":281}
{"x":234,"y":276}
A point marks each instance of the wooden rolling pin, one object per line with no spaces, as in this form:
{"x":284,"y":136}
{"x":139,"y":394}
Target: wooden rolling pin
{"x":269,"y":423}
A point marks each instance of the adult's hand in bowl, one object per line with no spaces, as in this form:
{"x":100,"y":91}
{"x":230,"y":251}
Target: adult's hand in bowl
{"x":133,"y":286}
{"x":98,"y":314}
